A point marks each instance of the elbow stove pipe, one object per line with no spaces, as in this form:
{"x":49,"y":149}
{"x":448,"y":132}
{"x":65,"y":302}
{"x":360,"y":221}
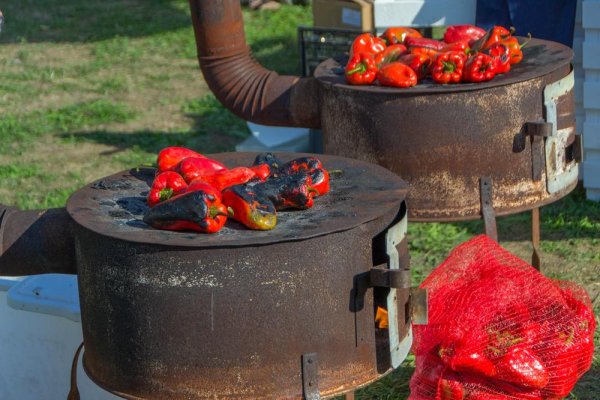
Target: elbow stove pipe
{"x":241,"y":84}
{"x":36,"y":242}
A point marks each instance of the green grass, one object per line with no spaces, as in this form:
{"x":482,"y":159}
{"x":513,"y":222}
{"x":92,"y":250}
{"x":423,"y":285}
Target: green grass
{"x":91,"y":88}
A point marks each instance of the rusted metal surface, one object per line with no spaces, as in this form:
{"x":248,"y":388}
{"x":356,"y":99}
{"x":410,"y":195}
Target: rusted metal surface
{"x":238,"y":81}
{"x":185,"y":316}
{"x":36,"y":242}
{"x":442,"y":138}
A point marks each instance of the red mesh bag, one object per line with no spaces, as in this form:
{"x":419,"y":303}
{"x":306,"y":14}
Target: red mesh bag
{"x":498,"y":329}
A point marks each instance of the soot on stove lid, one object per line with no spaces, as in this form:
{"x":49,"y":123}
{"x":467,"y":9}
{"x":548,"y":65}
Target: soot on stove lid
{"x":360,"y":192}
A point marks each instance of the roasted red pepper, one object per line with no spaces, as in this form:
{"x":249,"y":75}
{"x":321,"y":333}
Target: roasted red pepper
{"x":390,"y":54}
{"x":367,"y":43}
{"x":207,"y":188}
{"x":521,"y":367}
{"x":361,"y":69}
{"x":492,"y":36}
{"x":461,"y":47}
{"x":301,"y":164}
{"x":261,"y":171}
{"x":253,"y":210}
{"x":424,"y":51}
{"x":193,"y":168}
{"x":224,"y":179}
{"x":419,"y":63}
{"x":320,"y":181}
{"x":165,"y":185}
{"x":424,"y":42}
{"x":269,"y":159}
{"x":515,"y":52}
{"x":459,"y":33}
{"x":195,"y":211}
{"x":397,"y":74}
{"x":398,"y":34}
{"x":501,"y":55}
{"x":448,"y":67}
{"x":288,"y":191}
{"x":479,"y":68}
{"x":169,"y":157}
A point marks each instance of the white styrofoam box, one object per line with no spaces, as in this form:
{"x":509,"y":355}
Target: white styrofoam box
{"x":422,"y":13}
{"x":591,"y":14}
{"x":276,"y":138}
{"x":591,"y":94}
{"x":53,"y":294}
{"x":37,"y":346}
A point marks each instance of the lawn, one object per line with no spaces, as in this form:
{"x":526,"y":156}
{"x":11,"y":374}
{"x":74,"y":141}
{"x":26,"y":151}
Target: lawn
{"x":91,"y":88}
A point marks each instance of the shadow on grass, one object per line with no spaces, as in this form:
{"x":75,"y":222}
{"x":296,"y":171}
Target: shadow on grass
{"x":85,"y":21}
{"x":153,"y":141}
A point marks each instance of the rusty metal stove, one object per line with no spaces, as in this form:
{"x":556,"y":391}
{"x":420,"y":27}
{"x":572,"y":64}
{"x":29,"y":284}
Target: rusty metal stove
{"x":244,"y":314}
{"x":467,"y":151}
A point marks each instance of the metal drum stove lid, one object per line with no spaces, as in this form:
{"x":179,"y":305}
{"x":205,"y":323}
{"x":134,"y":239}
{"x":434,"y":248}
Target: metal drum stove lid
{"x":540,"y":57}
{"x":360,"y":192}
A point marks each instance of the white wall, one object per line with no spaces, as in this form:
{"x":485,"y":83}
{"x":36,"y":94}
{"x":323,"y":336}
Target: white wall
{"x":591,"y":97}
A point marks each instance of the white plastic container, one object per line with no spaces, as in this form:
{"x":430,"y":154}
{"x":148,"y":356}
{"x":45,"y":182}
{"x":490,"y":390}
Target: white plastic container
{"x":422,"y":13}
{"x":40,"y":331}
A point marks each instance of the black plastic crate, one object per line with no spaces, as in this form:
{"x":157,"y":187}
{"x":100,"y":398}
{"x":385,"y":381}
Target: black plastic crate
{"x":319,"y":44}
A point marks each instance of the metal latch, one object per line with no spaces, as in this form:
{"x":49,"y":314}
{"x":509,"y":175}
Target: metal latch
{"x":538,"y":130}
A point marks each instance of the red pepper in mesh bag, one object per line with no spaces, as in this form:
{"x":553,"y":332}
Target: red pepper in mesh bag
{"x":503,"y":329}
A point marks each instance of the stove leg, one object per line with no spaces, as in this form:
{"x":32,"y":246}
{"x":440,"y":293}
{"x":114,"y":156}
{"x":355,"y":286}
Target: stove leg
{"x":535,"y":238}
{"x":487,"y":209}
{"x":349,"y":396}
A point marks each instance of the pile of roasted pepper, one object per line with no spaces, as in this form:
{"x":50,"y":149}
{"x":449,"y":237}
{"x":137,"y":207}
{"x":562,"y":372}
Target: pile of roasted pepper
{"x":193,"y":192}
{"x":401,"y":57}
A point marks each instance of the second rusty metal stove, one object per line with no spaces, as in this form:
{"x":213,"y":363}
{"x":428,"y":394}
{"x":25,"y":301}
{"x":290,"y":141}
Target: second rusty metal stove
{"x":287,"y":313}
{"x":513,"y":136}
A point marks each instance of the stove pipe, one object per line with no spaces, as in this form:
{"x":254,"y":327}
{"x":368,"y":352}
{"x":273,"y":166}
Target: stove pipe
{"x":36,"y":242}
{"x":246,"y":88}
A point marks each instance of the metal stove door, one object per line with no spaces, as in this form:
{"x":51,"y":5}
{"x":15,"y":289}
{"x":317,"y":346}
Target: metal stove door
{"x":560,"y":172}
{"x":400,"y":342}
